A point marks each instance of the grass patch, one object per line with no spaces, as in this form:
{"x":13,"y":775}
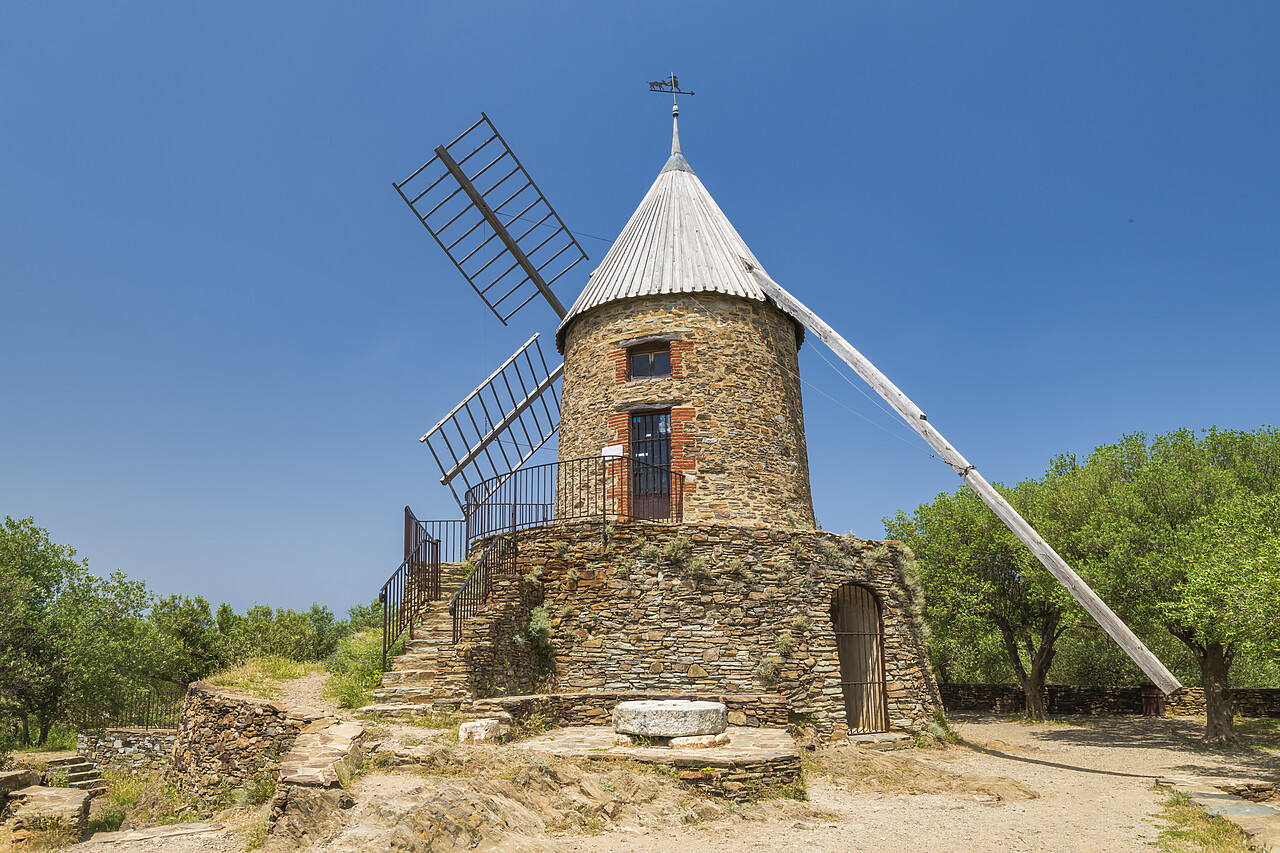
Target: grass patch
{"x":60,"y":739}
{"x":261,"y":677}
{"x":1193,"y":829}
{"x":438,"y":720}
{"x":256,"y":793}
{"x":255,"y":835}
{"x":108,"y":820}
{"x":123,"y":788}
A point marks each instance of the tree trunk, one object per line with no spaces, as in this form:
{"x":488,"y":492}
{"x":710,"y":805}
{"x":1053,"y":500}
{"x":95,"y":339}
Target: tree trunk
{"x":1218,"y":711}
{"x":1215,"y":664}
{"x":1032,"y":680}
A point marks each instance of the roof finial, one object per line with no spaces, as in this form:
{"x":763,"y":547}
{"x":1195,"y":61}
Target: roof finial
{"x":675,"y":128}
{"x":672,"y":85}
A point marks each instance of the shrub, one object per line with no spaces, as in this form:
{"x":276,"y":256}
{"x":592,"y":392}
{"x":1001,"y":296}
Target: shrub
{"x":355,"y":668}
{"x":539,"y":629}
{"x":108,"y":820}
{"x":768,"y":669}
{"x":678,"y":551}
{"x":785,"y":643}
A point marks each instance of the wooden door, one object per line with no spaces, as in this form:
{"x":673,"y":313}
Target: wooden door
{"x":651,"y":471}
{"x":855,"y":614}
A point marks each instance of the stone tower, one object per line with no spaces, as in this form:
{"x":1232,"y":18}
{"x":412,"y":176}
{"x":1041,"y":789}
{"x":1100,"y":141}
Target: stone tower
{"x":673,"y":356}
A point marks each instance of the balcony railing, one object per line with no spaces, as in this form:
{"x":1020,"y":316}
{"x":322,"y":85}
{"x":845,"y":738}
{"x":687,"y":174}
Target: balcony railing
{"x":598,"y":487}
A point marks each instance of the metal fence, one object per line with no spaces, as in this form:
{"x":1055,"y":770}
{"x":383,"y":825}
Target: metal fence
{"x":139,"y":709}
{"x":603,"y":488}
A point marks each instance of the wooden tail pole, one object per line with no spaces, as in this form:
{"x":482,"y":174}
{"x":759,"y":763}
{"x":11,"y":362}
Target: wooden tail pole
{"x":912,"y":414}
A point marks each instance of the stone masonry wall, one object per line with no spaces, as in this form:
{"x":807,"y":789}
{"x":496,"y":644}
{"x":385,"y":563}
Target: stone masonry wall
{"x":227,"y":740}
{"x":737,"y":423}
{"x":739,"y":602}
{"x":138,"y":751}
{"x":1070,"y":699}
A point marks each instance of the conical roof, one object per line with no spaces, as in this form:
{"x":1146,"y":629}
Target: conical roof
{"x":677,"y":241}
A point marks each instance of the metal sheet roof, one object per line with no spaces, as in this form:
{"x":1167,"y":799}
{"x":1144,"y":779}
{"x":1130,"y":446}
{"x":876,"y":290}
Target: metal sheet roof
{"x":677,"y":241}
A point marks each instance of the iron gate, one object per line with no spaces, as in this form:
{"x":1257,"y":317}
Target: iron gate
{"x":855,"y":614}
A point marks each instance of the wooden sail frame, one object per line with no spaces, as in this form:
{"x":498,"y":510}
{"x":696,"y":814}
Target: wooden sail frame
{"x":915,"y":418}
{"x":517,"y":402}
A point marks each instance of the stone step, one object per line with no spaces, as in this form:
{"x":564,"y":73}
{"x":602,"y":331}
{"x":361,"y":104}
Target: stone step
{"x":95,"y":787}
{"x":405,"y":677}
{"x":419,"y":695}
{"x":63,"y":762}
{"x":83,"y":775}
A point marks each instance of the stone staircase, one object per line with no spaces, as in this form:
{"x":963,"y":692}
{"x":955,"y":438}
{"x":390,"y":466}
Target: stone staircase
{"x":80,"y":774}
{"x":430,"y":672}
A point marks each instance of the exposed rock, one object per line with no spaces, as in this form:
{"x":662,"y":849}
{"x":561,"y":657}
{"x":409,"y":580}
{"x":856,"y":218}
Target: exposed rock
{"x":36,"y":808}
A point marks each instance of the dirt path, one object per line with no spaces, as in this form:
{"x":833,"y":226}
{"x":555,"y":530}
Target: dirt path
{"x":1094,"y":780}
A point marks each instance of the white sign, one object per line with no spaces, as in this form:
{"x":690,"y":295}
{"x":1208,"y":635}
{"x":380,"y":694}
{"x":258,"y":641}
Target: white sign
{"x":612,"y":450}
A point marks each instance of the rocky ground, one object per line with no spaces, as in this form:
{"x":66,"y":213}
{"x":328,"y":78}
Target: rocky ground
{"x":1084,"y":784}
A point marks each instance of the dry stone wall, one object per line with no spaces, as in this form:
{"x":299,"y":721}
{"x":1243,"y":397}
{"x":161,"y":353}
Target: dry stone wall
{"x":138,"y":751}
{"x":228,"y":740}
{"x":706,"y":609}
{"x":737,"y":422}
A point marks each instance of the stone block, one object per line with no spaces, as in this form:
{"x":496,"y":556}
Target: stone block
{"x":670,"y":718}
{"x":479,"y":731}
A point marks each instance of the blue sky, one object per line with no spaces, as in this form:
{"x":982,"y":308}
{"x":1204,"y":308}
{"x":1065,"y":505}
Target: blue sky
{"x":223,"y":332}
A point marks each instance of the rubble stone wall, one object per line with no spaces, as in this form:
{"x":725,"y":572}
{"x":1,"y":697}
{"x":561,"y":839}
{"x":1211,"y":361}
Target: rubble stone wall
{"x":138,"y":751}
{"x":737,"y":422}
{"x":714,"y":609}
{"x":227,"y":740}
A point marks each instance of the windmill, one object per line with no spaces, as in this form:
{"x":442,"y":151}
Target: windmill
{"x":461,"y":199}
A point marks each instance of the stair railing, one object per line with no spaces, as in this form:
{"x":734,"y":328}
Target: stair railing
{"x":499,"y":559}
{"x":415,"y":583}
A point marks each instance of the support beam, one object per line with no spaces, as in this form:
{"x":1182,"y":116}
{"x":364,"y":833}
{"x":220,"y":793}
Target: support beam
{"x":500,"y":229}
{"x":915,"y":418}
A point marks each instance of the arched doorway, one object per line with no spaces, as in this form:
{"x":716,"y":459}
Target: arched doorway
{"x":855,"y":615}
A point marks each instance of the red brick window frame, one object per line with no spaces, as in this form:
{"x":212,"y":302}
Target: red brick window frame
{"x":656,"y":357}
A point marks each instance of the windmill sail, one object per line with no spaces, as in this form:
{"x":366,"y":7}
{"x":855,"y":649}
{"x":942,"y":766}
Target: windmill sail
{"x":492,"y":221}
{"x":914,"y":417}
{"x":501,"y":424}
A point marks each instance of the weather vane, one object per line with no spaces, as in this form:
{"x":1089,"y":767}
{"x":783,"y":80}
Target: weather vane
{"x":671,"y":84}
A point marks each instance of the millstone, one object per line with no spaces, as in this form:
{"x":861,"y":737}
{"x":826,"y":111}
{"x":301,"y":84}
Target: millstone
{"x":669,"y":718}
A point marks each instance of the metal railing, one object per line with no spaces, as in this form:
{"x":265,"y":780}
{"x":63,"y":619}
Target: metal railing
{"x":603,"y":488}
{"x":415,"y":583}
{"x":597,"y":487}
{"x":143,"y":709}
{"x":498,"y":559}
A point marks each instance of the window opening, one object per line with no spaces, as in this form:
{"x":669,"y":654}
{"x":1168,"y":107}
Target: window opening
{"x":650,"y":362}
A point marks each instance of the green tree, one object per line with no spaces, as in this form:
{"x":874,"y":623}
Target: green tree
{"x":978,"y":576}
{"x":192,"y":645}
